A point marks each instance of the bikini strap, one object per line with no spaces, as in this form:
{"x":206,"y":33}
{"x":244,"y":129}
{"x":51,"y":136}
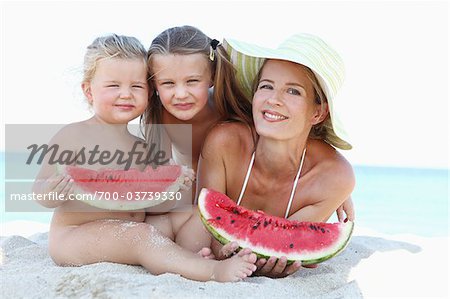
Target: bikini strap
{"x":249,"y":170}
{"x":247,"y":176}
{"x":295,"y":184}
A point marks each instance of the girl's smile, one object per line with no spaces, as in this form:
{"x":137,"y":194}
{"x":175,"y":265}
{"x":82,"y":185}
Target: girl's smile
{"x":125,"y":106}
{"x":118,"y":91}
{"x":182,"y":82}
{"x":184,"y":106}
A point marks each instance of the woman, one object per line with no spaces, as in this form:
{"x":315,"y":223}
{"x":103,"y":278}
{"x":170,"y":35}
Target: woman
{"x":294,"y":170}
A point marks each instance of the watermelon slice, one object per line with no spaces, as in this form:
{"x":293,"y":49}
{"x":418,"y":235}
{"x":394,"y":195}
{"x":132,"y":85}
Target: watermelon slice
{"x":308,"y":242}
{"x":131,"y":189}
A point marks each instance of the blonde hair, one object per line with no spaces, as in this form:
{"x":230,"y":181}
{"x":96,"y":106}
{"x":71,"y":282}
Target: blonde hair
{"x":111,"y":46}
{"x":318,"y":131}
{"x":229,"y":100}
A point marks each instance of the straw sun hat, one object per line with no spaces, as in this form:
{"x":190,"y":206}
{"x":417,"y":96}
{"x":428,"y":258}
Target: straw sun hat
{"x":304,"y":49}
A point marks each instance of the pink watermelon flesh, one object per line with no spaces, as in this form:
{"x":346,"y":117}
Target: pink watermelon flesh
{"x":123,"y":187}
{"x":309,"y":242}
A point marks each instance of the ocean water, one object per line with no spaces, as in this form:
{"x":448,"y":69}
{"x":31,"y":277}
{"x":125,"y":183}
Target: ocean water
{"x":402,"y":200}
{"x":387,"y":200}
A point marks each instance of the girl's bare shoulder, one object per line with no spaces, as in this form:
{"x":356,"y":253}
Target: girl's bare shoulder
{"x":70,"y":134}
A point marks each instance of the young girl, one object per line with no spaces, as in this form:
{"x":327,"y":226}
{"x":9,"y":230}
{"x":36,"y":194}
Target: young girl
{"x":115,"y":85}
{"x":293,"y":170}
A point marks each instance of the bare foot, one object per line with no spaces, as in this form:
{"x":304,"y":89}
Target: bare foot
{"x":206,"y":253}
{"x":235,"y":268}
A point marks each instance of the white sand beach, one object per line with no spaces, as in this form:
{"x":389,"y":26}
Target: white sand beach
{"x":373,"y":265}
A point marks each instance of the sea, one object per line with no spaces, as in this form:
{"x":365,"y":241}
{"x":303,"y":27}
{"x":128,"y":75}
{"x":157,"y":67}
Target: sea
{"x":386,"y":199}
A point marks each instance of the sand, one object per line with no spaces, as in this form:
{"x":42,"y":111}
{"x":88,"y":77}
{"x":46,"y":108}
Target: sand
{"x":373,"y":265}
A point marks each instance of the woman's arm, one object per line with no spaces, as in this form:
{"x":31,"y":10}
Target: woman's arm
{"x":348,"y":209}
{"x":331,"y":187}
{"x":327,"y":192}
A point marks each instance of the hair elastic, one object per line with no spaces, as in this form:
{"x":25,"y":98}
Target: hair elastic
{"x":214,"y":43}
{"x":213,"y":46}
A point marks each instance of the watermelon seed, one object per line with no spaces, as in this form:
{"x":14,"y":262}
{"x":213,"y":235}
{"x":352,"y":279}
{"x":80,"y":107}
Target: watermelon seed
{"x":323,"y":231}
{"x":235,"y":211}
{"x":232,"y":221}
{"x":291,"y":245}
{"x":266,"y":223}
{"x":256,"y":225}
{"x":218,"y":218}
{"x":311,"y":227}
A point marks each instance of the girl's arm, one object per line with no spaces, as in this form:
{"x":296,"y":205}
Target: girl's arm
{"x":211,"y":174}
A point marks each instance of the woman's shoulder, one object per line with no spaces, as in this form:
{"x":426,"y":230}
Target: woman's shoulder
{"x":230,"y":131}
{"x":228,"y":136}
{"x":329,"y":162}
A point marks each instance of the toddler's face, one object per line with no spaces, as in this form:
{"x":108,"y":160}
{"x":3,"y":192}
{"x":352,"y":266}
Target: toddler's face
{"x":182,"y":82}
{"x":118,"y":92}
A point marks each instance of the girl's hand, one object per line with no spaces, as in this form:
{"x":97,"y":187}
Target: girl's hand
{"x":189,"y":178}
{"x":58,"y":183}
{"x":347,"y":208}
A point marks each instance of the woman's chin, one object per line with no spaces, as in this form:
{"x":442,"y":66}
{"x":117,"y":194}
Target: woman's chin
{"x":272,"y":133}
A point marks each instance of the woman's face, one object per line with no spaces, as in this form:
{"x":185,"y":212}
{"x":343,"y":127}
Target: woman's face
{"x":182,"y":82}
{"x":283,"y":104}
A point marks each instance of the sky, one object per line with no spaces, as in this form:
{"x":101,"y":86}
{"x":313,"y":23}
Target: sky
{"x":394,"y":102}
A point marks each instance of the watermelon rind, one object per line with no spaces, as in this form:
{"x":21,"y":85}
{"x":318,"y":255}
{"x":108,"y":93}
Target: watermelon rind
{"x":124,"y":204}
{"x":314,"y":258}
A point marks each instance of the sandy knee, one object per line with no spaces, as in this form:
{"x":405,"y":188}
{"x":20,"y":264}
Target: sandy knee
{"x":161,"y":223}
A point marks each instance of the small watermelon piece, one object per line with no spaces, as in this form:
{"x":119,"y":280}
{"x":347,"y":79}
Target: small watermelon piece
{"x":127,"y":189}
{"x":308,"y":242}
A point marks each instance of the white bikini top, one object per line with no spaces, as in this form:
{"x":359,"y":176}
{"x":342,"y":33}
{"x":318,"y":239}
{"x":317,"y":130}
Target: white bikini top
{"x":293,"y":187}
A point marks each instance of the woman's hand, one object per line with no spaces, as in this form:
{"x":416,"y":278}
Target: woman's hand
{"x":276,"y":267}
{"x":347,"y":208}
{"x":273,"y":267}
